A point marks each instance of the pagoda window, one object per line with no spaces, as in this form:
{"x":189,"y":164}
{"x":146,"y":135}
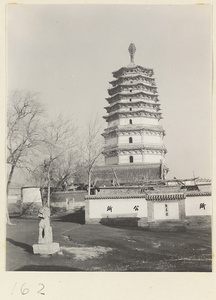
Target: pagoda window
{"x":130,"y":99}
{"x":131,"y":159}
{"x":130,"y":140}
{"x":130,"y":108}
{"x":130,"y":121}
{"x":130,"y":90}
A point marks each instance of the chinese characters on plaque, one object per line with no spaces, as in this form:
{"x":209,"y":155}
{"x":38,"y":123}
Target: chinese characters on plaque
{"x":110,"y":208}
{"x":202,"y":205}
{"x":166,"y":209}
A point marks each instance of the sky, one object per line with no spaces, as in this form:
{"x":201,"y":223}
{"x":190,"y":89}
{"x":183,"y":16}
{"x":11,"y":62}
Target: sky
{"x":67,"y":53}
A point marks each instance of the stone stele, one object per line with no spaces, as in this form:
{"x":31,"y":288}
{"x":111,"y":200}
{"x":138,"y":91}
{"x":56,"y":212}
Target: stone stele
{"x":45,"y":240}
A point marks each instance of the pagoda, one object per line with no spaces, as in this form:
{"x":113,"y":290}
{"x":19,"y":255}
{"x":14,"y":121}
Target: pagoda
{"x":133,"y":135}
{"x":134,"y":139}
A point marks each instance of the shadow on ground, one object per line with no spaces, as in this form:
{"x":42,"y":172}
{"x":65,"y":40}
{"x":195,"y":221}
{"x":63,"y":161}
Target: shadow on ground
{"x":24,"y":246}
{"x":77,"y":216}
{"x":122,"y":223}
{"x":47,"y":268}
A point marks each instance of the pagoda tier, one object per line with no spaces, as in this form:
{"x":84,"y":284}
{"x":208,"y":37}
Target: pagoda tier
{"x":133,"y":106}
{"x":133,"y":135}
{"x":133,"y":69}
{"x":133,"y":96}
{"x":127,"y":130}
{"x":132,"y":87}
{"x":131,"y":114}
{"x":134,"y":78}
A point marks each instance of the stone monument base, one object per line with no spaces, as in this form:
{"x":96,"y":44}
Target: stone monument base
{"x":46,"y":248}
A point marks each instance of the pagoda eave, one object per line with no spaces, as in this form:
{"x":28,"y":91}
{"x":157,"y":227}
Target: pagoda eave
{"x":120,"y":96}
{"x":121,"y":88}
{"x":133,"y":67}
{"x":132,"y":104}
{"x":133,"y":131}
{"x":140,"y":113}
{"x":134,"y":150}
{"x":156,"y":128}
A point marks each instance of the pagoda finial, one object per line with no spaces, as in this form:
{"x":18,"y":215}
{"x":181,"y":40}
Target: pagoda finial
{"x":132,"y":50}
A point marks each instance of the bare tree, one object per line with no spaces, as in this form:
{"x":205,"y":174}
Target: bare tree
{"x":59,"y":142}
{"x":23,"y":131}
{"x":64,"y":169}
{"x":91,"y":146}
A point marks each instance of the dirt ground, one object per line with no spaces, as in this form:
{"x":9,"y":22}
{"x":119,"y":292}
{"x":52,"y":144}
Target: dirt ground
{"x":102,"y":248}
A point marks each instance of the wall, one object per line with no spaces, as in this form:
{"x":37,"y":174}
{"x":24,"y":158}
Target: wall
{"x":111,"y":141}
{"x":112,"y":208}
{"x":152,"y":158}
{"x":192,"y":205}
{"x":71,"y":200}
{"x":137,"y":138}
{"x":138,"y":120}
{"x":149,"y":212}
{"x":14,"y":195}
{"x":111,"y":160}
{"x":31,"y":195}
{"x":76,"y":196}
{"x":151,"y":139}
{"x":124,"y":159}
{"x":113,"y":123}
{"x":124,"y":139}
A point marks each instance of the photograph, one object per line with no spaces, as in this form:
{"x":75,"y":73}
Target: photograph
{"x":109,"y":138}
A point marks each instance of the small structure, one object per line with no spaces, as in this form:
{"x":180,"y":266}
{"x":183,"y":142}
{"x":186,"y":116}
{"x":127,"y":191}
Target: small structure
{"x":45,"y":240}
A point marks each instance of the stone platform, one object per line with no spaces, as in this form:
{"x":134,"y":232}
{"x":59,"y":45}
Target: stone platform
{"x":46,"y":248}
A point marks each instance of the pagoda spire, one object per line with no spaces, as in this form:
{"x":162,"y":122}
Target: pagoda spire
{"x":132,"y":50}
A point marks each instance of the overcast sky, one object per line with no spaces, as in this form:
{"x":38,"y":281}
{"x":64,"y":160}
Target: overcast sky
{"x":68,"y":54}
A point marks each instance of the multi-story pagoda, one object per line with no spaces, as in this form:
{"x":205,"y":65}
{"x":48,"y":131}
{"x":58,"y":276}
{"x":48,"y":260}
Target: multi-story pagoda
{"x":134,"y":140}
{"x":133,"y":135}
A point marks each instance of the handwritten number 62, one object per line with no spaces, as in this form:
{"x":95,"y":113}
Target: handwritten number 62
{"x":24,"y":290}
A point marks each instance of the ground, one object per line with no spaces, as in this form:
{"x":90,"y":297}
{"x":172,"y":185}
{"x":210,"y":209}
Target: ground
{"x":103,"y":248}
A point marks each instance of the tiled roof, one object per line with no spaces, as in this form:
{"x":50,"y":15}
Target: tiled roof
{"x":127,"y":174}
{"x":162,"y":197}
{"x":122,"y":196}
{"x":195,"y":194}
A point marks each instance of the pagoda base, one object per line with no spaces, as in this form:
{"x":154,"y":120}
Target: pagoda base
{"x":125,"y":174}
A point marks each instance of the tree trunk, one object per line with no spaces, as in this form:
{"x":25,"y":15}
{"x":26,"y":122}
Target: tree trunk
{"x":8,"y":185}
{"x":89,"y":182}
{"x":48,"y":187}
{"x":10,"y":177}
